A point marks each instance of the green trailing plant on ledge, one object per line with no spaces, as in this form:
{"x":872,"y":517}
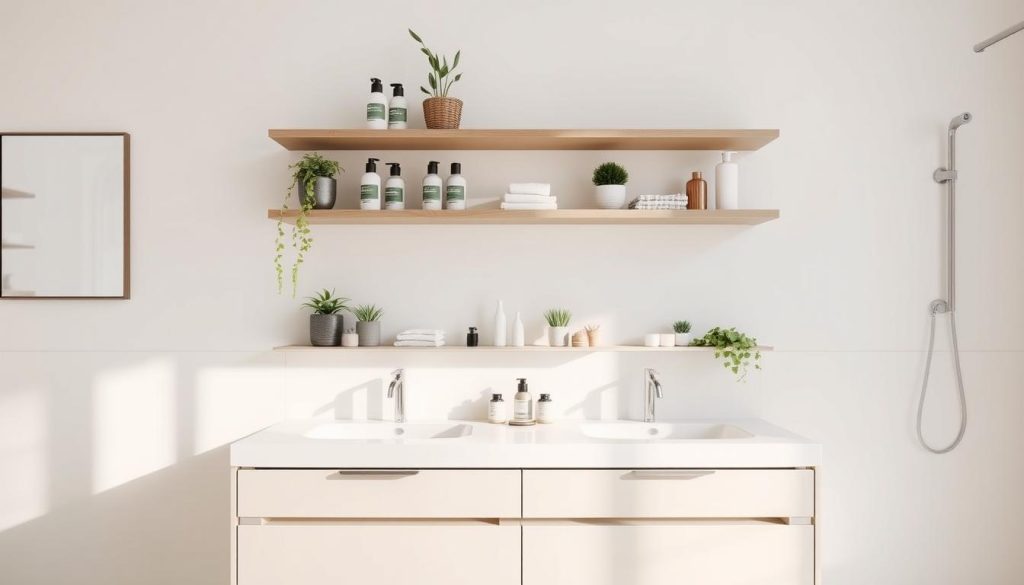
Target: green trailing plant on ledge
{"x":681,"y":326}
{"x":368,"y":312}
{"x":734,"y":348}
{"x":610,"y":173}
{"x":304,"y":174}
{"x":325,"y":303}
{"x":438,"y":78}
{"x":557,"y":317}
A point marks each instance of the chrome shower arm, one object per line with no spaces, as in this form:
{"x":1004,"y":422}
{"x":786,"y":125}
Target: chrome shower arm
{"x":996,"y":38}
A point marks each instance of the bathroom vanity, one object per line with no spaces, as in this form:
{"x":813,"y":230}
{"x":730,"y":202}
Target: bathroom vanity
{"x":588,"y":503}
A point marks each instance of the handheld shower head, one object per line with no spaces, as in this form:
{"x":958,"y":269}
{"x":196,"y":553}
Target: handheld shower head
{"x":960,"y":121}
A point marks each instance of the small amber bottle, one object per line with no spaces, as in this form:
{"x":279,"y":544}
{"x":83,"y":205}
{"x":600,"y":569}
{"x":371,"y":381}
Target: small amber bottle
{"x":697,"y":192}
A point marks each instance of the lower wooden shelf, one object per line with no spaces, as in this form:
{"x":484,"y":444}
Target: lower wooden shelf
{"x":493,"y":349}
{"x":532,"y":217}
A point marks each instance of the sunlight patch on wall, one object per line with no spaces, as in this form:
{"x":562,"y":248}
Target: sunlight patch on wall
{"x":23,"y":456}
{"x":133,"y":422}
{"x":231,"y":403}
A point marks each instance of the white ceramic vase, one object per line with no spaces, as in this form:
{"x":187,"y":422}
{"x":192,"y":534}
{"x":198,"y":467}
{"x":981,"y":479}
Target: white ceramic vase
{"x":557,"y":336}
{"x":610,"y":196}
{"x":682,"y":339}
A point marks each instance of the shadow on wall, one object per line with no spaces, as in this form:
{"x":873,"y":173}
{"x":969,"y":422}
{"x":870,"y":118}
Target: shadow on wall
{"x":124,"y":476}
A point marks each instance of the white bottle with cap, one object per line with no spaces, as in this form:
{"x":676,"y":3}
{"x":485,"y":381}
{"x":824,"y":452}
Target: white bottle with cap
{"x":377,"y":106}
{"x":432,"y":185}
{"x":369,"y":187}
{"x":727,"y":183}
{"x":455,"y":190}
{"x":397,"y":109}
{"x":394,"y":188}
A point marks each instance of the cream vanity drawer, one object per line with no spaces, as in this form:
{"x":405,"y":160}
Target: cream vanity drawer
{"x":668,"y":493}
{"x":327,"y":493}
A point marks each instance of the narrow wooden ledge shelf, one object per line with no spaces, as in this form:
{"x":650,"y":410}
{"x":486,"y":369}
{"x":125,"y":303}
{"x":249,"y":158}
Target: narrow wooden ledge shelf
{"x":493,"y":349}
{"x":10,"y":246}
{"x":546,"y":217}
{"x":515,"y":139}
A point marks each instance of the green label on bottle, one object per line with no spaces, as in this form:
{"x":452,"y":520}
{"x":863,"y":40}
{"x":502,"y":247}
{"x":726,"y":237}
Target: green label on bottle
{"x":394,"y":195}
{"x":431,"y":193}
{"x":396,"y":115}
{"x":369,"y":192}
{"x":374,"y":111}
{"x":456,"y":193}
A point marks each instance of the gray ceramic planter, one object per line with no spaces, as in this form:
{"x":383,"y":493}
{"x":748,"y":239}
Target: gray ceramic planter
{"x":369,"y":333}
{"x":325,"y":330}
{"x":325,"y":193}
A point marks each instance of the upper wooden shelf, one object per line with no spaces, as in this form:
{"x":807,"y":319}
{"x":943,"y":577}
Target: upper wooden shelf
{"x":523,"y":139}
{"x":550,"y":217}
{"x":508,"y":349}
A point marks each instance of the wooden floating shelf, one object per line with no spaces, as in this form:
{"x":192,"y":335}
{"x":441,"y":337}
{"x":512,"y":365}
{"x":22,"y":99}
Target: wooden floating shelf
{"x":493,"y":349}
{"x":511,"y":139}
{"x":545,"y":217}
{"x":7,"y":246}
{"x":15,"y":194}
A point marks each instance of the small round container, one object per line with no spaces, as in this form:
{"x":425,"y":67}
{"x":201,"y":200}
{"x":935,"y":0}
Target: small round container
{"x":667,"y":339}
{"x":350,"y":339}
{"x":653,"y":340}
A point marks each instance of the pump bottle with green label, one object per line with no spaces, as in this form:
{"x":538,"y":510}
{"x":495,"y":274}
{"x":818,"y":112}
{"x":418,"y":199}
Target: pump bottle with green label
{"x":394,"y":188}
{"x":376,"y":107}
{"x":398,"y":108}
{"x":432,"y":187}
{"x":369,"y":187}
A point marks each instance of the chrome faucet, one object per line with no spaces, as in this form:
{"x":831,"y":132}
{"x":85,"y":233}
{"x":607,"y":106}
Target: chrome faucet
{"x":652,"y":390}
{"x":396,"y":390}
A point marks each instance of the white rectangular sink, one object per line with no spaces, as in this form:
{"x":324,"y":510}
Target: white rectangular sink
{"x":321,"y":443}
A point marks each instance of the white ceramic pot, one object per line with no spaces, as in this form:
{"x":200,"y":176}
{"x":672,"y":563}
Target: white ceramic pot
{"x":683,"y":339}
{"x":557,"y":336}
{"x":667,"y":339}
{"x":652,"y":340}
{"x":610,"y":196}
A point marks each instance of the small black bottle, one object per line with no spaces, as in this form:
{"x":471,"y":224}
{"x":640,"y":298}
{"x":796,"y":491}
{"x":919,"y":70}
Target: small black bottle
{"x":472,"y":338}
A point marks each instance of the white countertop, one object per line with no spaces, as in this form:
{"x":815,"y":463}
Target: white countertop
{"x":480,"y":445}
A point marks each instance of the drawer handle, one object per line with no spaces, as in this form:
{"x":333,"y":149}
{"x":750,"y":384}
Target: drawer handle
{"x":669,"y":473}
{"x":378,"y":473}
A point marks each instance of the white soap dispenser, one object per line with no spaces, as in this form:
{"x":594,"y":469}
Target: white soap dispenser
{"x":432,"y":185}
{"x":394,"y":188}
{"x":522,"y":406}
{"x":455,"y":191}
{"x":376,"y":108}
{"x":397,"y":109}
{"x":500,"y":326}
{"x":369,"y":187}
{"x":727,"y":183}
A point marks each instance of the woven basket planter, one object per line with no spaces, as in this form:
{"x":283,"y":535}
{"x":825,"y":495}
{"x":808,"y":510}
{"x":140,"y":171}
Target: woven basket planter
{"x":442,"y":113}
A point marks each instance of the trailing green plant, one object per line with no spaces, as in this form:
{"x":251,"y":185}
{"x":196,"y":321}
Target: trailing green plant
{"x":304,"y":174}
{"x":610,"y":173}
{"x":325,"y":303}
{"x":734,"y":348}
{"x":438,"y":78}
{"x":557,"y":317}
{"x":681,"y":326}
{"x":368,"y":312}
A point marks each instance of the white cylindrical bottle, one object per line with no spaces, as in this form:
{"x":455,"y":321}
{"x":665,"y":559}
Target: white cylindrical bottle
{"x":397,"y":109}
{"x":545,"y":409}
{"x":727,"y":183}
{"x":455,"y":190}
{"x":500,"y":326}
{"x":497,"y":412}
{"x":369,"y":187}
{"x":394,"y":188}
{"x":376,"y":108}
{"x":432,"y":185}
{"x":522,"y":406}
{"x":518,"y":333}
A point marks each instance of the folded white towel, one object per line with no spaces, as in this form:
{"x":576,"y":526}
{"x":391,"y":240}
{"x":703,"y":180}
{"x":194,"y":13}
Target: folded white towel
{"x":660,"y":205}
{"x":438,"y":343}
{"x":670,"y":197}
{"x":415,"y":337}
{"x":522,"y":198}
{"x":530,"y":188}
{"x":423,"y":332}
{"x":524,"y":206}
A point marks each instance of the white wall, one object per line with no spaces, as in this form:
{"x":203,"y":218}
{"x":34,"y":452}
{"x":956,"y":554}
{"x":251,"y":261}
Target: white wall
{"x":115,"y":416}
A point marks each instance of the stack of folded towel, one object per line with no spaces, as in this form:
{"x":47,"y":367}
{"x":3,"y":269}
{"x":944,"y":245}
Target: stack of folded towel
{"x":673,"y":201}
{"x":529,"y":196}
{"x":420,"y":338}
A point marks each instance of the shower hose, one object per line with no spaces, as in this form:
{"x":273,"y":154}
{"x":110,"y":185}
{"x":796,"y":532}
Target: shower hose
{"x":940,"y":307}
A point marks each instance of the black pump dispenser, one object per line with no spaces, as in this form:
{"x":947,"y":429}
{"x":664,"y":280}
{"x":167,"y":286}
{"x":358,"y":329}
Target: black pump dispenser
{"x":456,"y":168}
{"x":522,"y":385}
{"x":432,"y":167}
{"x":396,"y":169}
{"x":371,"y":165}
{"x":376,"y":86}
{"x":397,"y":89}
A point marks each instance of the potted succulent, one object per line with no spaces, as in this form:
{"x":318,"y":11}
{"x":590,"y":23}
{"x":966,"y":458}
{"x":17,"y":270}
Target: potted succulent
{"x":325,"y":323}
{"x":558,"y":326}
{"x":313,"y":179}
{"x":439,"y":110}
{"x":368,"y":324}
{"x":682,"y":329}
{"x":734,"y":348}
{"x":610,"y":180}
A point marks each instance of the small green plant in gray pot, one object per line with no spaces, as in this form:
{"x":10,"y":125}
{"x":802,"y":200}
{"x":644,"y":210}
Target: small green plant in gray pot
{"x":368,"y":324}
{"x":682,"y":329}
{"x":325,"y":324}
{"x":610,"y":183}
